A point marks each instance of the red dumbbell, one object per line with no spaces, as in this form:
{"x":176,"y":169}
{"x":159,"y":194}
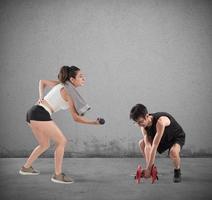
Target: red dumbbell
{"x":154,"y":173}
{"x":140,"y":174}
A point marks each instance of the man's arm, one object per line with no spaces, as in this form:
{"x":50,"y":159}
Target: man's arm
{"x":147,"y":147}
{"x":160,"y":127}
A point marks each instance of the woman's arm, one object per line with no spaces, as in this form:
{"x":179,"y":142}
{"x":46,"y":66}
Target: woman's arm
{"x":72,"y":109}
{"x":46,"y":83}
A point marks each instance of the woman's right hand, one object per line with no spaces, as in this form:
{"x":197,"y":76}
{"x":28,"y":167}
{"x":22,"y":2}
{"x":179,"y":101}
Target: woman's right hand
{"x":40,"y":101}
{"x":100,"y":121}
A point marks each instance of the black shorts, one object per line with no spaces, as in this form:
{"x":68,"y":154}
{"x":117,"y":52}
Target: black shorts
{"x":180,"y":139}
{"x":37,"y":113}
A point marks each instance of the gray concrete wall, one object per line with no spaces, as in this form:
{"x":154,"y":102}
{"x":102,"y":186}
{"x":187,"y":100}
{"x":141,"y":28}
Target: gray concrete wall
{"x":156,"y":52}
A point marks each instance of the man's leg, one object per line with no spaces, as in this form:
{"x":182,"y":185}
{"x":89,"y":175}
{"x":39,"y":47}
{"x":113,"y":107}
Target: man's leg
{"x":174,"y":154}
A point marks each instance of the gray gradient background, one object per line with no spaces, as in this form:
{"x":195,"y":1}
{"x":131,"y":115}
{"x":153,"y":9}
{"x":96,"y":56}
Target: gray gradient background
{"x":156,"y":52}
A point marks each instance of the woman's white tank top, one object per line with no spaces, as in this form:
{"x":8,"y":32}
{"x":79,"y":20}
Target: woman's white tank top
{"x":55,"y":99}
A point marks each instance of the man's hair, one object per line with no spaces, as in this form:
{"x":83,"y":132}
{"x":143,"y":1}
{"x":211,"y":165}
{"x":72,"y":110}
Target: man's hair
{"x":139,"y":110}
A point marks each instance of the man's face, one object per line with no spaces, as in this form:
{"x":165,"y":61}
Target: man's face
{"x":142,"y":122}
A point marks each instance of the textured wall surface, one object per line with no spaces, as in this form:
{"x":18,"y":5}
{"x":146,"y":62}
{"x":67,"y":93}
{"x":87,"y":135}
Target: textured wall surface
{"x":155,"y":52}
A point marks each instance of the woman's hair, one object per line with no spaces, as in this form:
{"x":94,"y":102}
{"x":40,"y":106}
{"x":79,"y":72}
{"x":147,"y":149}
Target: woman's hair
{"x":139,"y":110}
{"x":66,"y":73}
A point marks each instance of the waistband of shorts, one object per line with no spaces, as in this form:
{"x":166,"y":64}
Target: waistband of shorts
{"x":45,"y":107}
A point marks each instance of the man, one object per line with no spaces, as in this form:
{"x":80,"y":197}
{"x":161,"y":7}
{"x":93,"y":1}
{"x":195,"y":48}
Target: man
{"x":160,"y":132}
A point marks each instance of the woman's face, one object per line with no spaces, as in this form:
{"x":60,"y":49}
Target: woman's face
{"x":79,"y":80}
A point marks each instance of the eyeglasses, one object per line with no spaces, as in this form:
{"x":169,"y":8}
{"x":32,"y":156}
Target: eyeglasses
{"x":139,"y":123}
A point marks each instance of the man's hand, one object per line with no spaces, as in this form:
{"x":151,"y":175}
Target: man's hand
{"x":146,"y":173}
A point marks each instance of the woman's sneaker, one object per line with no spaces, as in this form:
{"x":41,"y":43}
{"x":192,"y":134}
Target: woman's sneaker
{"x":62,"y":178}
{"x":28,"y":171}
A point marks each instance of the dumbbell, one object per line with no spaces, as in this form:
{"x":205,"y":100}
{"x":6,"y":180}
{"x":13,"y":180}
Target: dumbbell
{"x":101,"y":120}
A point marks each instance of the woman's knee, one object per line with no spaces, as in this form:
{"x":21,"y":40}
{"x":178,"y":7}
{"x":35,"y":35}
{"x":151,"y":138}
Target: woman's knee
{"x":65,"y":141}
{"x":62,"y":141}
{"x":44,"y":146}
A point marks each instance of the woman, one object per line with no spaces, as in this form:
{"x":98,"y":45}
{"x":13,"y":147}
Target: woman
{"x":44,"y":128}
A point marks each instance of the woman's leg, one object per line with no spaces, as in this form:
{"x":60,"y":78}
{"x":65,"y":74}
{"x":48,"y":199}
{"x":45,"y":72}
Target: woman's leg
{"x":43,"y":141}
{"x":51,"y":131}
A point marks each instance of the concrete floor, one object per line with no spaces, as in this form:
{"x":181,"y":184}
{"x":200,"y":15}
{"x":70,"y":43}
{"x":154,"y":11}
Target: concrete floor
{"x":105,"y":178}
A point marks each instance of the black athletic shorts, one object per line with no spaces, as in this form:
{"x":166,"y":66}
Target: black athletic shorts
{"x":37,"y":113}
{"x":180,"y":139}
